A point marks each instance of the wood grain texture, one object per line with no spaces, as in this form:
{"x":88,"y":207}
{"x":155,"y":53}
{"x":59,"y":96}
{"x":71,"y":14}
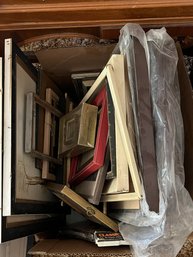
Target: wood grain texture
{"x":51,"y":98}
{"x":120,"y":197}
{"x":25,"y":19}
{"x":125,"y":205}
{"x":145,"y":123}
{"x":30,"y":15}
{"x":45,"y":82}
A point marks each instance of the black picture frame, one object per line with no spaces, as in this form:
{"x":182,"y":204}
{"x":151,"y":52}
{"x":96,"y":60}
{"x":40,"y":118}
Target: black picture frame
{"x":28,"y":206}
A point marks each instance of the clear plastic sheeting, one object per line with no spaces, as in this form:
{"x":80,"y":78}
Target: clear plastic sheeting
{"x":160,"y":234}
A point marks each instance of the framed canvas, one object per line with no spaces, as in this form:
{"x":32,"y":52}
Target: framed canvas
{"x":96,"y":159}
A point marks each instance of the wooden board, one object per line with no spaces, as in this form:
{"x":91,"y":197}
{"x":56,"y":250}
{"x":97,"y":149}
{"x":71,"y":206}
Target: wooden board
{"x":23,"y":220}
{"x":7,"y":129}
{"x":52,"y":99}
{"x":42,"y":15}
{"x":69,"y":107}
{"x":125,"y":205}
{"x":120,"y":197}
{"x":44,"y":83}
{"x":145,"y":123}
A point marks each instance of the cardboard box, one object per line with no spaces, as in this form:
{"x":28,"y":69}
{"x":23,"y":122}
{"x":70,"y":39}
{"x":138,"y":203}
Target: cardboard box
{"x":73,"y":248}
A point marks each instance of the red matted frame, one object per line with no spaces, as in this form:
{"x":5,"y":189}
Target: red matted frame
{"x":77,"y":176}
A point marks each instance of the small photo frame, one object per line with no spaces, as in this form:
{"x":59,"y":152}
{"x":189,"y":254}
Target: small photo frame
{"x":96,"y":160}
{"x":77,"y":130}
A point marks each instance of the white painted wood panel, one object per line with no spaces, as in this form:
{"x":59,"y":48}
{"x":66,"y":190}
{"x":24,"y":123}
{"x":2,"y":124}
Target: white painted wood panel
{"x":7,"y":128}
{"x":14,"y":248}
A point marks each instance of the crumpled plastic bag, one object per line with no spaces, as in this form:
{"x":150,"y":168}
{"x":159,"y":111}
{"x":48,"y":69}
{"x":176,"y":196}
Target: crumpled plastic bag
{"x":160,"y":234}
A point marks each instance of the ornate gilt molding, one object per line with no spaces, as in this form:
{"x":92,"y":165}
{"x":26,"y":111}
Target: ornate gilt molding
{"x":64,"y":40}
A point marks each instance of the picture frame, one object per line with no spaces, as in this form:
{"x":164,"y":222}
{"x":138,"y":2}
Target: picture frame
{"x":19,"y":167}
{"x":49,"y":142}
{"x":97,"y":161}
{"x":32,"y":101}
{"x":77,"y":130}
{"x":82,"y":83}
{"x":120,"y":183}
{"x":91,"y":188}
{"x":110,"y":72}
{"x":111,"y":67}
{"x":112,"y":173}
{"x":82,"y":206}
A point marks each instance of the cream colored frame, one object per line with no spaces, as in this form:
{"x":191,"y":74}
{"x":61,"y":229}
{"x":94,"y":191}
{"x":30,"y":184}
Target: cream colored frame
{"x":109,"y":73}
